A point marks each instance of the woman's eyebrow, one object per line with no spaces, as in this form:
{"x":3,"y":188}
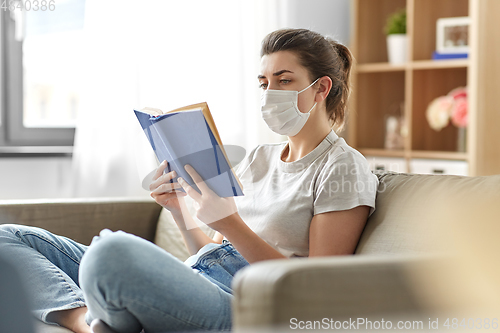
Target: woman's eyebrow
{"x":278,"y":73}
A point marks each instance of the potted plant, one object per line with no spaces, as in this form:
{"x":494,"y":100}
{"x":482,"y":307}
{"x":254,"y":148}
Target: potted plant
{"x":395,"y":29}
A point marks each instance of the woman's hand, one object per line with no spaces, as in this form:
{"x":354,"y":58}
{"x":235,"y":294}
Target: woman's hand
{"x":164,"y":192}
{"x":210,"y":208}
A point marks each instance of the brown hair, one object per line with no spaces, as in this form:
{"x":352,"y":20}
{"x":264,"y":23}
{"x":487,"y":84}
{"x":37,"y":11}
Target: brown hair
{"x":321,"y":56}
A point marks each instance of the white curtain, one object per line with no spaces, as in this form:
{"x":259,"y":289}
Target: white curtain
{"x":165,"y":54}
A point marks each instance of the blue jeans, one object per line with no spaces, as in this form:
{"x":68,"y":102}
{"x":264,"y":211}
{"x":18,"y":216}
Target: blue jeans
{"x":126,"y":281}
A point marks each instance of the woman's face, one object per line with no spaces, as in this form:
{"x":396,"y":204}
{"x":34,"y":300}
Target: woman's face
{"x":282,"y":71}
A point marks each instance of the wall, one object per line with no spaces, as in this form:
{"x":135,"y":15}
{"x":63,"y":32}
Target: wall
{"x":34,"y":178}
{"x":328,"y":17}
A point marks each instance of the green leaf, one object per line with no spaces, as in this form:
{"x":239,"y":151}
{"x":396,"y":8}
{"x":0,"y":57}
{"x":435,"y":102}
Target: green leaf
{"x":396,"y":23}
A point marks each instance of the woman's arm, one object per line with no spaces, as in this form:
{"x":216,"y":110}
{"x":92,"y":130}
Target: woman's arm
{"x":166,"y":195}
{"x":337,"y":233}
{"x":248,"y":243}
{"x":222,"y":215}
{"x":193,"y":236}
{"x":332,"y":233}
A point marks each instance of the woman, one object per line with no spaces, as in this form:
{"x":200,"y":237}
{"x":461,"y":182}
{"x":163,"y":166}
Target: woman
{"x":309,"y":196}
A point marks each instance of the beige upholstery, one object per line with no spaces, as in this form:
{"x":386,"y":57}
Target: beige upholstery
{"x":82,"y":219}
{"x":407,"y":218}
{"x":414,"y":219}
{"x":271,"y":293}
{"x":168,"y":235}
{"x":398,"y":242}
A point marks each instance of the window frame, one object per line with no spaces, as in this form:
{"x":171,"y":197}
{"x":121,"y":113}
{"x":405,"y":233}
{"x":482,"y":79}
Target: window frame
{"x":12,"y":130}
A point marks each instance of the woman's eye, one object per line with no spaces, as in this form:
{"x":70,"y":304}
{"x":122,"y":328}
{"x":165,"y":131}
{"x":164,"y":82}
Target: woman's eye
{"x":263,"y":85}
{"x":284,"y":81}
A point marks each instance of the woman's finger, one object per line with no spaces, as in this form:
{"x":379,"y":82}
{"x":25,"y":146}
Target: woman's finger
{"x":189,"y":190}
{"x":166,"y":187}
{"x":159,"y":170}
{"x":168,"y":195}
{"x":162,"y":179}
{"x":197,"y":179}
{"x":164,"y":198}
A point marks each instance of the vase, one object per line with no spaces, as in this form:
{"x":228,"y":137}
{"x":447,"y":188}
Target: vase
{"x":396,"y":48}
{"x":462,"y":139}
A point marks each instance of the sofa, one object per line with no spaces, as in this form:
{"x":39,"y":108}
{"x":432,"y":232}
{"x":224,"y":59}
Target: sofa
{"x":402,"y":266}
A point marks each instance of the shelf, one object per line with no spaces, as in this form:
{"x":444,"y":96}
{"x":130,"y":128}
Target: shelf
{"x":380,"y":94}
{"x":441,"y":155}
{"x":420,"y":64}
{"x":381,"y":89}
{"x":424,"y":14}
{"x":438,"y":155}
{"x":436,"y":64}
{"x":382,"y":152}
{"x":427,"y":85}
{"x":380,"y":67}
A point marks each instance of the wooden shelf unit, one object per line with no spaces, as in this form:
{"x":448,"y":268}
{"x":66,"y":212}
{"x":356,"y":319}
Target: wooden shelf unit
{"x":380,"y":88}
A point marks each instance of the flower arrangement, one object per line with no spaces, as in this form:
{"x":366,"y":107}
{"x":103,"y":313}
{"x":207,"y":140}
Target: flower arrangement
{"x":452,"y":107}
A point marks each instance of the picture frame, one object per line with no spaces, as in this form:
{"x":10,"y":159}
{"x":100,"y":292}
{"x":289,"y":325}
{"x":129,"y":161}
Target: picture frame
{"x":452,"y":35}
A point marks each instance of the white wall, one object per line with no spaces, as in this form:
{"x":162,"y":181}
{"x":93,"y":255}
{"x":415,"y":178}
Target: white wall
{"x":35,"y":178}
{"x":328,"y":17}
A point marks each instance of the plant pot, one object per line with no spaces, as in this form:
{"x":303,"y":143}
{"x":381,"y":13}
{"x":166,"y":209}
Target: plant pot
{"x":396,"y":48}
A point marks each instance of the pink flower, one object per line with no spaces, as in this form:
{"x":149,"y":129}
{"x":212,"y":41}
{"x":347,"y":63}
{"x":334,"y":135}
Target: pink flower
{"x":459,"y":112}
{"x":439,"y":111}
{"x":460,"y":92}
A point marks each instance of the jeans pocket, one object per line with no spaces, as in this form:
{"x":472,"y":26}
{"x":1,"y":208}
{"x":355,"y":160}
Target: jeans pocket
{"x":221,"y":264}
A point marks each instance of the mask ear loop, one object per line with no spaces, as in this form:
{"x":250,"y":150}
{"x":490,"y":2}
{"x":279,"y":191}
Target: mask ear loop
{"x":309,"y":86}
{"x":312,"y":107}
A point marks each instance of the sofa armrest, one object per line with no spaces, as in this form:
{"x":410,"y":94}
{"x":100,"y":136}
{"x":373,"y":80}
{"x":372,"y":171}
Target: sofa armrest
{"x":271,"y":293}
{"x":82,"y":218}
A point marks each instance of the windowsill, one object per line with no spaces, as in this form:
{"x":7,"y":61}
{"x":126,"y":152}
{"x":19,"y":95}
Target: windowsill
{"x":36,"y":151}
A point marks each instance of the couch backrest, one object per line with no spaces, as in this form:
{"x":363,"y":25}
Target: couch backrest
{"x":83,"y":218}
{"x":411,"y":211}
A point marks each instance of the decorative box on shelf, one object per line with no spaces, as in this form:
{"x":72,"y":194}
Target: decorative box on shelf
{"x":445,"y":56}
{"x":439,"y":167}
{"x":385,"y":164}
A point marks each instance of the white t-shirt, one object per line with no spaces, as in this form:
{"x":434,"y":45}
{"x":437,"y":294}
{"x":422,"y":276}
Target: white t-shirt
{"x":281,"y":198}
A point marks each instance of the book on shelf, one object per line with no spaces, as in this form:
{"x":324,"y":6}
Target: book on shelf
{"x":442,"y":56}
{"x":188,"y":135}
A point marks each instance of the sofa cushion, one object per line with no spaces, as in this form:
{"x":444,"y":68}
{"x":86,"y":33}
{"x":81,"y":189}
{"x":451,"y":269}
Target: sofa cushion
{"x":409,"y":211}
{"x":169,"y":237}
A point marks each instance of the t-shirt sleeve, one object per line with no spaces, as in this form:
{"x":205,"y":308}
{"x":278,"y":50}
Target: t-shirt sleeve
{"x":345,"y":182}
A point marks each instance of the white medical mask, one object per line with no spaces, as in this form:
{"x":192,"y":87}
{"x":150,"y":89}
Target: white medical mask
{"x":281,"y":113}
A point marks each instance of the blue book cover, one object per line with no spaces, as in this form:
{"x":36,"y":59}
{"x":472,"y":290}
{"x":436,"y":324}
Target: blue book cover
{"x":441,"y":56}
{"x":188,"y":136}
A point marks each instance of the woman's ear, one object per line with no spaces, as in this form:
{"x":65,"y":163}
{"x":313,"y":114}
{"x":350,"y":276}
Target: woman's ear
{"x":325,"y":85}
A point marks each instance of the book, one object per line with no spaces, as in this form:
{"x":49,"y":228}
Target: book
{"x":441,"y":56}
{"x":188,"y":135}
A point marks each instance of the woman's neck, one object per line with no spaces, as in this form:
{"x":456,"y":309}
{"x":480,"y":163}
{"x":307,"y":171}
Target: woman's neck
{"x":314,"y":131}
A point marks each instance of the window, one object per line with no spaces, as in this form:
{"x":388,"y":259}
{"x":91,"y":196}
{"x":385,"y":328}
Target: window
{"x":42,"y":58}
